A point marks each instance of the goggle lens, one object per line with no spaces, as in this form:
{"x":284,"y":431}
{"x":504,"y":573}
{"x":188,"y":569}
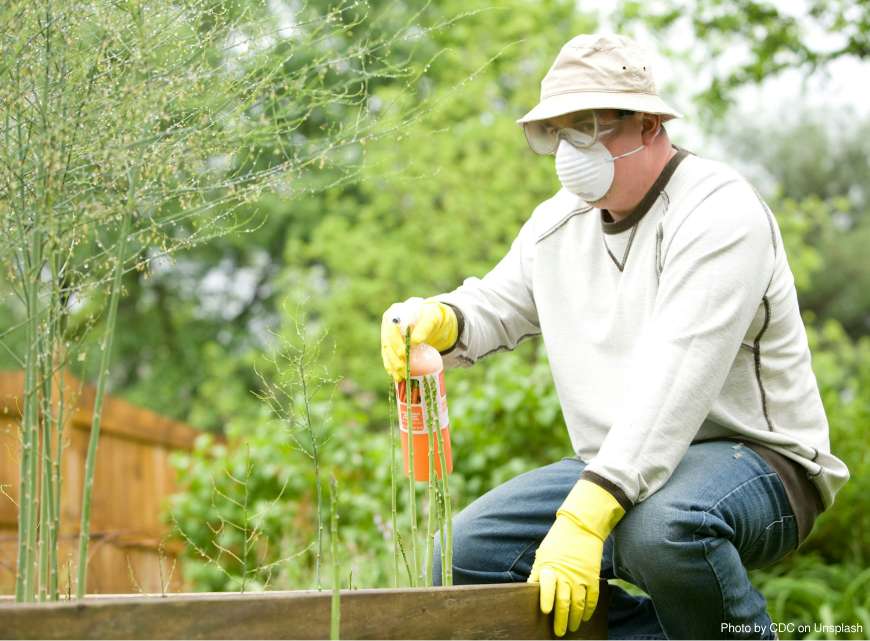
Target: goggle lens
{"x":544,"y":137}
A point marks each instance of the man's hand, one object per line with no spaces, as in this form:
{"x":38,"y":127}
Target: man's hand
{"x":431,"y":322}
{"x":568,"y":561}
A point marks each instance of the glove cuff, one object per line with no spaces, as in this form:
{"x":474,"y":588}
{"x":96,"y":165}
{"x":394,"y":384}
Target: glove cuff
{"x":592,"y":508}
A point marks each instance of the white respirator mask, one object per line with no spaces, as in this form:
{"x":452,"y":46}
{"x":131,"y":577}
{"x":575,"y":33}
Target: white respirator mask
{"x":586,"y":170}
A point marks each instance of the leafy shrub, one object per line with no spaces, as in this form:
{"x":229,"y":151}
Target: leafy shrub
{"x":809,"y":591}
{"x":842,"y":368}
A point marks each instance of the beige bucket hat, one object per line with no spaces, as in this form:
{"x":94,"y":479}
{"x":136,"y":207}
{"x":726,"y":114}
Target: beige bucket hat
{"x":599,"y":72}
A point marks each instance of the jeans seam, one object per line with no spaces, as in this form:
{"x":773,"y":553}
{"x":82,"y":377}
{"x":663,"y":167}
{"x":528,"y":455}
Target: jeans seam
{"x":704,"y":516}
{"x":522,"y":552}
{"x":739,"y":487}
{"x":508,"y":573}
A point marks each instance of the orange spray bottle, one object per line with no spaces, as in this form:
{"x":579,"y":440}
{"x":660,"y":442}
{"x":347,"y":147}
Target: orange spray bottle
{"x":427,"y":371}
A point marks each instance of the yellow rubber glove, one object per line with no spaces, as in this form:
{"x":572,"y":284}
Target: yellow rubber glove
{"x":568,"y":561}
{"x":430,"y":321}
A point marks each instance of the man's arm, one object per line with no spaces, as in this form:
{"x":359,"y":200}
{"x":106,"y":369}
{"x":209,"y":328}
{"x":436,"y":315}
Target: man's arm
{"x":497,"y":311}
{"x":716,"y":270}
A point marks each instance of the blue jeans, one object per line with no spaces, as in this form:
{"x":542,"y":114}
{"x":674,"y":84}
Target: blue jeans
{"x":688,"y":546}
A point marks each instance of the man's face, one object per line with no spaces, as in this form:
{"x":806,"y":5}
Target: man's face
{"x":619,"y":134}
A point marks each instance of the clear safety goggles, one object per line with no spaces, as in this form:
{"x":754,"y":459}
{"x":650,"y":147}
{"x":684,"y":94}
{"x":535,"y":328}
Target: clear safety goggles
{"x":543,"y":136}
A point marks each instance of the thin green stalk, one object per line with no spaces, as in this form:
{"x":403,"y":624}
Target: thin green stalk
{"x":446,"y":545}
{"x":335,"y":613}
{"x":25,"y":500}
{"x":21,"y":561}
{"x":28,"y":266}
{"x":430,"y":415}
{"x":54,"y":587}
{"x":443,"y":539}
{"x":404,"y":557}
{"x":106,"y":346}
{"x":316,"y":458}
{"x":245,"y":519}
{"x":439,"y":504}
{"x":46,"y":490}
{"x":24,"y":587}
{"x":53,"y":473}
{"x":393,"y":516}
{"x":432,"y":423}
{"x":33,"y":466}
{"x":33,"y":528}
{"x":320,"y":525}
{"x":37,"y":527}
{"x":412,"y":484}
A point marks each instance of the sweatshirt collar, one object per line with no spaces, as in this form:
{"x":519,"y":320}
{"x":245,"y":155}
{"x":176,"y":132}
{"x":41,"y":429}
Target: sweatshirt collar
{"x":610,"y":226}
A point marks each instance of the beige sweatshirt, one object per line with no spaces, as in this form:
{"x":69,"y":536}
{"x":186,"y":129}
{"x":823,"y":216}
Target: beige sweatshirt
{"x":677,"y":324}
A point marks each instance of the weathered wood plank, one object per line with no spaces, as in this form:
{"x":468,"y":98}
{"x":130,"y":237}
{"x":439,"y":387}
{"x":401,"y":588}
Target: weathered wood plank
{"x":505,"y":611}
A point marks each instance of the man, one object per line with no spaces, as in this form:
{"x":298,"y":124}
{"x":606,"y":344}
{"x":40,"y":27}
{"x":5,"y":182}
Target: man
{"x":660,"y":286}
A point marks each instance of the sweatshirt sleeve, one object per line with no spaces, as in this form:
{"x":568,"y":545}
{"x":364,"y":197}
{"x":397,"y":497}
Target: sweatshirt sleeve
{"x":497,"y":311}
{"x":715,"y":272}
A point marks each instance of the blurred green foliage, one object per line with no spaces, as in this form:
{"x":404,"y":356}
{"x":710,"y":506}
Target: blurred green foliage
{"x":813,"y":592}
{"x":438,"y":201}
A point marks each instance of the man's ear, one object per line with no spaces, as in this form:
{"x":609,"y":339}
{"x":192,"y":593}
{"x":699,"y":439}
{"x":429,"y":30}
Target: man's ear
{"x":650,"y":127}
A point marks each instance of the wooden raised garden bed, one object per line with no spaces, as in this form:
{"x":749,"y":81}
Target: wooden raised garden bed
{"x":504,"y":611}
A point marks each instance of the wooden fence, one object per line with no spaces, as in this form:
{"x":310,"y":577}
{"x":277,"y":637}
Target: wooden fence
{"x":130,"y":550}
{"x":506,"y":611}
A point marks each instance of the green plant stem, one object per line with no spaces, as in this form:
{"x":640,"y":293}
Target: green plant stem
{"x":445,"y":580}
{"x":54,"y":588}
{"x":21,"y":556}
{"x":46,"y":489}
{"x":335,"y":612}
{"x":106,"y":346}
{"x":54,"y":471}
{"x":25,"y":500}
{"x":393,"y":516}
{"x":446,"y":545}
{"x":29,"y":427}
{"x":245,"y":519}
{"x":315,"y":455}
{"x":404,"y":557}
{"x":431,"y":413}
{"x":33,"y":569}
{"x":412,"y":484}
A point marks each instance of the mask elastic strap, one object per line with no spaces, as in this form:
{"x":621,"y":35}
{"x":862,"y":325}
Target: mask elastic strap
{"x":637,"y":149}
{"x":628,"y":153}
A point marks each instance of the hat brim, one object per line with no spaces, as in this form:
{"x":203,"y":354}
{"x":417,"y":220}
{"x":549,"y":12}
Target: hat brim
{"x":566,"y":103}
